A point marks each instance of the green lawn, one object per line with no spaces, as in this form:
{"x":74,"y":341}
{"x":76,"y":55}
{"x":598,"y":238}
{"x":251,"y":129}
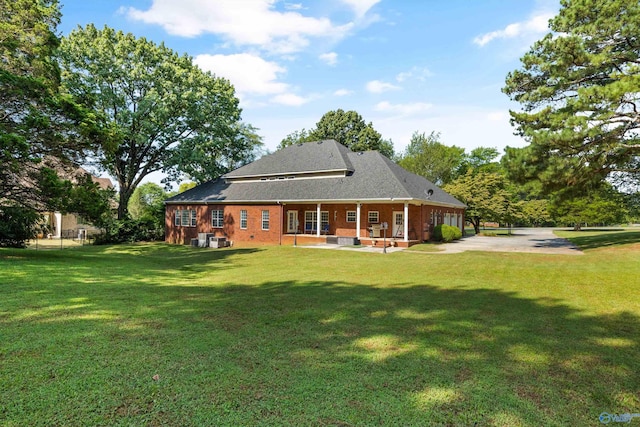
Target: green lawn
{"x":296,"y":336}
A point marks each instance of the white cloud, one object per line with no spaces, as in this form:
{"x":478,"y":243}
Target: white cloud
{"x":418,"y":73}
{"x":377,"y":86}
{"x":536,"y":25}
{"x":360,"y":7}
{"x":244,"y":23}
{"x":250,"y":74}
{"x":403,"y":109}
{"x":289,"y":99}
{"x":342,"y":92}
{"x":331,"y":58}
{"x":293,"y":6}
{"x":252,"y":77}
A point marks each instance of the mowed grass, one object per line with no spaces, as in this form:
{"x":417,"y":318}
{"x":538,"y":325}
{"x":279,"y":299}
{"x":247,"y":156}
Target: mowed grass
{"x":153,"y":334}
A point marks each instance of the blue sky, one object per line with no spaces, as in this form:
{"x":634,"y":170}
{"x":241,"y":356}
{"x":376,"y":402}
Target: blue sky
{"x":405,"y":66}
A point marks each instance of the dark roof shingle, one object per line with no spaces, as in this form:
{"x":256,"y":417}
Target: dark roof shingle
{"x":371,"y":177}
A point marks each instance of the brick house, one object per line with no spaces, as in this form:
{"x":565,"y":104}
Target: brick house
{"x":314,"y":192}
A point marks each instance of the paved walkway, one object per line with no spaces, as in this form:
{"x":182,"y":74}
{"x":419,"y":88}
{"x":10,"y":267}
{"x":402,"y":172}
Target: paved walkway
{"x":531,"y":240}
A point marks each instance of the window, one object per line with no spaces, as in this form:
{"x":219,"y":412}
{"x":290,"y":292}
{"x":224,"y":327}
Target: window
{"x":243,"y":219}
{"x":311,"y":220}
{"x":351,"y":216}
{"x":217,"y":218}
{"x":374,"y":217}
{"x":185,"y":218}
{"x":265,"y":220}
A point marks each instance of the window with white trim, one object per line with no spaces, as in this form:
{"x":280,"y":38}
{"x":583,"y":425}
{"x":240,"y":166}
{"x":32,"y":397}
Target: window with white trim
{"x":265,"y":220}
{"x":311,"y":220}
{"x":324,"y":221}
{"x":243,"y":219}
{"x":374,"y":217}
{"x":185,"y":218}
{"x":351,"y":216}
{"x":217,"y":218}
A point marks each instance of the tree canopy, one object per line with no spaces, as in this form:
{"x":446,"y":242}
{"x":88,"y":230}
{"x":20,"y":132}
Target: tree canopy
{"x":37,"y":125}
{"x":428,"y":157}
{"x":156,"y":109}
{"x":579,"y":88}
{"x":488,"y":196}
{"x":346,"y":127}
{"x":42,"y":132}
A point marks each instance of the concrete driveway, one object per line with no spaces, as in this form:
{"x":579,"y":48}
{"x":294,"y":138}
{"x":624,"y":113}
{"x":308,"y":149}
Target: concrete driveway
{"x":531,"y":240}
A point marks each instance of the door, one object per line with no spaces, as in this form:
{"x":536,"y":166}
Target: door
{"x":398,"y":224}
{"x":292,"y":221}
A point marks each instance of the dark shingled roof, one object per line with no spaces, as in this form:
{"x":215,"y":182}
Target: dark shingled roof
{"x":369,"y":176}
{"x":310,"y":157}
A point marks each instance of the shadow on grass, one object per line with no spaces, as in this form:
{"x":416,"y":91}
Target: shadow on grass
{"x":600,"y":238}
{"x":311,"y":353}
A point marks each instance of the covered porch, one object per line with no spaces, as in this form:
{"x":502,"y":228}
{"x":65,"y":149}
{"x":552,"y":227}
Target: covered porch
{"x":399,"y":224}
{"x":308,"y":240}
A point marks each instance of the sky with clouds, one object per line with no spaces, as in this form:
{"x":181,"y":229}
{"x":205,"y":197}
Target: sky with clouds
{"x":404,"y":65}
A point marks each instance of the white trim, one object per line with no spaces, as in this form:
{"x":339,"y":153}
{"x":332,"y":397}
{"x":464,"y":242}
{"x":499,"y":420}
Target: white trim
{"x":416,"y":202}
{"x":339,"y":173}
{"x":406,"y":222}
{"x":358,"y":220}
{"x":246,"y":219}
{"x":292,"y":227}
{"x":394,"y":226}
{"x":318,"y":220}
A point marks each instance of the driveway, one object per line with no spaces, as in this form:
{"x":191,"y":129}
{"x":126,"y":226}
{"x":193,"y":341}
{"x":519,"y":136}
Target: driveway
{"x":531,"y":240}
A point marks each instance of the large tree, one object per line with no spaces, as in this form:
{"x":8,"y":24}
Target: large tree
{"x":159,"y":111}
{"x":42,"y":132}
{"x":296,"y":137}
{"x":603,"y":207}
{"x":580,"y":87}
{"x":428,"y":157}
{"x":489,"y":197}
{"x":350,"y":129}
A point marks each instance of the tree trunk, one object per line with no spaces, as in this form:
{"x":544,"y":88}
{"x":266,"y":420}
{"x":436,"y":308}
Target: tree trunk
{"x":476,"y":224}
{"x":123,"y":202}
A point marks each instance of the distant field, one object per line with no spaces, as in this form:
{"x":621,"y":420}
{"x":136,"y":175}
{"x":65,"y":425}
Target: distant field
{"x":153,"y":334}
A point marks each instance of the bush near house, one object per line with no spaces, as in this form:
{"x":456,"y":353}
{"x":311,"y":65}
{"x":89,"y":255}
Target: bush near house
{"x":17,"y":225}
{"x":446,"y":233}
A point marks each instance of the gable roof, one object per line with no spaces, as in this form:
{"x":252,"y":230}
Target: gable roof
{"x":292,"y":175}
{"x":299,"y":159}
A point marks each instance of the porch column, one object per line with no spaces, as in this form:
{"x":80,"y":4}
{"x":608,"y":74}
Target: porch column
{"x":318,"y":221}
{"x":406,"y":222}
{"x":58,"y":217}
{"x":358,"y":221}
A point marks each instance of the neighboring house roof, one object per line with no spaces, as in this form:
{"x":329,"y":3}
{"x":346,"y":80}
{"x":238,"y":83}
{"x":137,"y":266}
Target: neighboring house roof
{"x":318,"y":172}
{"x":103,"y":183}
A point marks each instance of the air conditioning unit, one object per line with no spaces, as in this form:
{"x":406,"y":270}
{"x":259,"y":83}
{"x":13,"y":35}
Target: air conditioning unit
{"x":218,"y":242}
{"x":203,"y":239}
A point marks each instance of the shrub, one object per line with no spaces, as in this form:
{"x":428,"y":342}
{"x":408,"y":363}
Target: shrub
{"x":130,"y":230}
{"x":446,"y":233}
{"x":17,"y":225}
